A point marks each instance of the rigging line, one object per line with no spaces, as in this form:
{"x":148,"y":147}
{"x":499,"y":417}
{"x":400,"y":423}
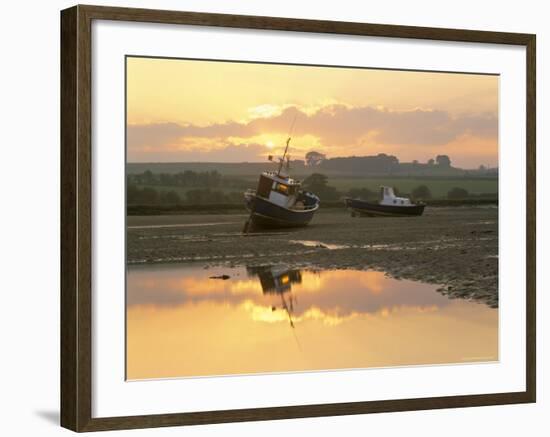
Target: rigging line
{"x":285,"y":306}
{"x":287,"y":143}
{"x":292,"y":125}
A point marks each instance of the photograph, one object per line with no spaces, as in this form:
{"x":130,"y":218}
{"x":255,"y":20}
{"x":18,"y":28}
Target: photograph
{"x":307,"y":218}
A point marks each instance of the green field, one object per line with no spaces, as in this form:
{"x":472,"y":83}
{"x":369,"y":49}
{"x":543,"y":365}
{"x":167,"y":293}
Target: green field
{"x":438,"y":187}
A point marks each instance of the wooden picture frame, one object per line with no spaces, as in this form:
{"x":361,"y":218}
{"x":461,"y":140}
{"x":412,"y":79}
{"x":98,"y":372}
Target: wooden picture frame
{"x":76,"y":218}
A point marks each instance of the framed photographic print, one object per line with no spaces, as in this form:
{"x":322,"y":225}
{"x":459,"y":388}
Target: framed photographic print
{"x":268,"y":218}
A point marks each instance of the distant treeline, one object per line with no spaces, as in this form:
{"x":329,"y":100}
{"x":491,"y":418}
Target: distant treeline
{"x":187,"y":178}
{"x":375,"y":165}
{"x":150,"y":188}
{"x":389,"y":165}
{"x":385,"y":164}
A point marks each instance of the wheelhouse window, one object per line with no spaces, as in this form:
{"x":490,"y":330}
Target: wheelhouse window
{"x":283,"y":189}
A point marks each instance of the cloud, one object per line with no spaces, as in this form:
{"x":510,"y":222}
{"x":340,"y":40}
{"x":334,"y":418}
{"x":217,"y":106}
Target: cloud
{"x":335,"y":125}
{"x":162,"y":134}
{"x":162,"y":143}
{"x":226,"y":152}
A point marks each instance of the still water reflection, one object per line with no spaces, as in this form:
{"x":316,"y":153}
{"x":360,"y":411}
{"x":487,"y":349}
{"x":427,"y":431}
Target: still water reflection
{"x":187,"y":320}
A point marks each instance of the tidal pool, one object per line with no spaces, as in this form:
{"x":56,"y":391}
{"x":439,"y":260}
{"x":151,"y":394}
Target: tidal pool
{"x":188,"y":320}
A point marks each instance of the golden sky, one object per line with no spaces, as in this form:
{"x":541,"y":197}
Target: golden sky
{"x":190,"y":111}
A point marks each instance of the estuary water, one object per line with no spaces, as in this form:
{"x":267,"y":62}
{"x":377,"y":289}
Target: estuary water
{"x":186,"y":320}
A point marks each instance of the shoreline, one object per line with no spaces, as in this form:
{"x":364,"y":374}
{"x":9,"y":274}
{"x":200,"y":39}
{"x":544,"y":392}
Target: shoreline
{"x":455,"y":248}
{"x":216,"y":209}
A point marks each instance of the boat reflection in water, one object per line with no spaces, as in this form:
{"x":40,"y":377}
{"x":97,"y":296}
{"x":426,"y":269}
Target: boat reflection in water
{"x":278,"y":281}
{"x":181,"y":321}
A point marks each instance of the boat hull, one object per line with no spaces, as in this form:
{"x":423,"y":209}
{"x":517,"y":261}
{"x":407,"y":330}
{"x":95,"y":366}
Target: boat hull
{"x":265,"y":214}
{"x":370,"y":209}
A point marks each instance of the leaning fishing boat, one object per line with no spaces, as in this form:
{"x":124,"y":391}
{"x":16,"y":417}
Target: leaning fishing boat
{"x":388,"y":205}
{"x":279,"y":201}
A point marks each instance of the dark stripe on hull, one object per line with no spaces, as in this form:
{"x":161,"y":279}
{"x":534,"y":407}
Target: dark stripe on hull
{"x":377,"y":210}
{"x":268,"y":215}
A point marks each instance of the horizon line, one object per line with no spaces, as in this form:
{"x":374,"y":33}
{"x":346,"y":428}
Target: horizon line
{"x":303,"y":160}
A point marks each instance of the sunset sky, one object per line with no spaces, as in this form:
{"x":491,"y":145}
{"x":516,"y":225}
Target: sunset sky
{"x":190,"y":111}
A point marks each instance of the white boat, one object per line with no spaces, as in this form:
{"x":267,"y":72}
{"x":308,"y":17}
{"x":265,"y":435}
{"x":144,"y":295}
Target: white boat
{"x":388,"y":205}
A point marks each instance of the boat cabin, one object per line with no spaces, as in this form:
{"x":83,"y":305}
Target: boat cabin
{"x":388,"y":197}
{"x":280,"y":190}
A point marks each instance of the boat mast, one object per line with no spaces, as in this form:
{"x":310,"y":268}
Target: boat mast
{"x":281,"y":163}
{"x":286,"y":148}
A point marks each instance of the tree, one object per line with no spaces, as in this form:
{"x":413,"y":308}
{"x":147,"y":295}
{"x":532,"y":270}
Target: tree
{"x":443,"y":161}
{"x":457,"y":193}
{"x":315,"y":180}
{"x":421,"y":192}
{"x":431,"y":162}
{"x":317,"y":183}
{"x":148,"y":177}
{"x":314,"y":158}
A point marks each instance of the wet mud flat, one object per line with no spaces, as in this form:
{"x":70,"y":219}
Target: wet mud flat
{"x":454,"y":247}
